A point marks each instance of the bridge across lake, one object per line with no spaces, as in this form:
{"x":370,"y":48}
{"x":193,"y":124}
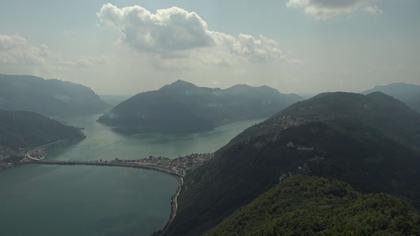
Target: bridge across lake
{"x":119,"y":163}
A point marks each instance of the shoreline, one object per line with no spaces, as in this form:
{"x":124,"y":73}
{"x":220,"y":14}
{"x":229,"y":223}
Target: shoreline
{"x":174,"y":198}
{"x":177,"y":167}
{"x":174,"y":207}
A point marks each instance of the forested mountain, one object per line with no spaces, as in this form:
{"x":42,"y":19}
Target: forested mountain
{"x":184,"y":107}
{"x":47,"y":97}
{"x":369,"y":141}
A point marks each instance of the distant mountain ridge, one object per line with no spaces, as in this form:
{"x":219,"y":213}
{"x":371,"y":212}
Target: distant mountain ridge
{"x":407,"y":93}
{"x":369,"y":141}
{"x":185,"y":107}
{"x":47,"y":97}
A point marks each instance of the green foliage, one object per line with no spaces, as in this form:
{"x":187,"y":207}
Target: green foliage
{"x":303,"y":205}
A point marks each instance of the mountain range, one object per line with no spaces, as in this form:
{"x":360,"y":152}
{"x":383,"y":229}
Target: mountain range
{"x":48,"y":97}
{"x":335,"y":163}
{"x":368,"y":141}
{"x":185,"y":107}
{"x":407,"y":93}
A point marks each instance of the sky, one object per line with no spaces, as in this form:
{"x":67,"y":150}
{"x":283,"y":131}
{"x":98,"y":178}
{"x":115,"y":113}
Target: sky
{"x":126,"y":47}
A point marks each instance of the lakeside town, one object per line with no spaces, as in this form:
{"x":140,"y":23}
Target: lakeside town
{"x":180,"y":165}
{"x":11,"y":157}
{"x":177,"y":167}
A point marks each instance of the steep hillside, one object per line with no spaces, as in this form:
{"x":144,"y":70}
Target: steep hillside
{"x":370,"y":142}
{"x":303,"y":205}
{"x":407,"y":93}
{"x":184,"y":107}
{"x":47,"y":97}
{"x":376,"y":110}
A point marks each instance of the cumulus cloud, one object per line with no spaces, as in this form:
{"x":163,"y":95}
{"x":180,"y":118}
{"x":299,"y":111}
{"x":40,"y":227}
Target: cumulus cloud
{"x":15,"y":49}
{"x":19,"y":55}
{"x":166,"y":30}
{"x":175,"y":32}
{"x":325,"y":9}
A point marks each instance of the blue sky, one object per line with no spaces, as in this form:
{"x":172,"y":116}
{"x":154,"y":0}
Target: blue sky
{"x":304,"y":46}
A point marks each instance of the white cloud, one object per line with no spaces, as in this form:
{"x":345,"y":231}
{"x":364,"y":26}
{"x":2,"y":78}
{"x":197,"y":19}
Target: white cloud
{"x":174,"y":33}
{"x":325,"y":9}
{"x":168,"y":29}
{"x":16,"y":50}
{"x":19,"y":55}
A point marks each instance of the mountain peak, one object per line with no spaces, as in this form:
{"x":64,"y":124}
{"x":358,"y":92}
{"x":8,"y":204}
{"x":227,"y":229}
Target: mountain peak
{"x":337,"y":94}
{"x":180,"y":84}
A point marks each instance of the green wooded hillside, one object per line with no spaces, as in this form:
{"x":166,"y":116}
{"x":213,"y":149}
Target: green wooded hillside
{"x":303,"y":205}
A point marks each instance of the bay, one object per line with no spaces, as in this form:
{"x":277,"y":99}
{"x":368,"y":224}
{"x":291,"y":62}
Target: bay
{"x":95,"y":201}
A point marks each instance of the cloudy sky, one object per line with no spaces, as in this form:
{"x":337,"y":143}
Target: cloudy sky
{"x":125,"y":47}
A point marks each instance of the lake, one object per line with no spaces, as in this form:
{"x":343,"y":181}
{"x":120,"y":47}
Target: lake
{"x":95,"y":201}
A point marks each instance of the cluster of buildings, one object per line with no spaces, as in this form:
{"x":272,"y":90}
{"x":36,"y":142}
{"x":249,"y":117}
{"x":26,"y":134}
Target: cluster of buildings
{"x":179,"y":166}
{"x":190,"y":162}
{"x":8,"y":156}
{"x":37,"y":154}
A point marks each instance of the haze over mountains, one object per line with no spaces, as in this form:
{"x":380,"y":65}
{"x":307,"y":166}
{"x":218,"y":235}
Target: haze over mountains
{"x":208,"y":118}
{"x":369,"y":141}
{"x":184,"y":107}
{"x":407,"y":93}
{"x":26,"y":102}
{"x":47,"y":97}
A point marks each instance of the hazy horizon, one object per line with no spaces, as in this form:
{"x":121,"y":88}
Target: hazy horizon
{"x":295,"y":46}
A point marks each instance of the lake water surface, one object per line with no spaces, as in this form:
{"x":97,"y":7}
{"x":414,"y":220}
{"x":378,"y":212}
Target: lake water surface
{"x":92,"y":201}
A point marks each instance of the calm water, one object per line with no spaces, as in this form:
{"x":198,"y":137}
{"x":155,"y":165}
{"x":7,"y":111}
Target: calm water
{"x":81,"y":200}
